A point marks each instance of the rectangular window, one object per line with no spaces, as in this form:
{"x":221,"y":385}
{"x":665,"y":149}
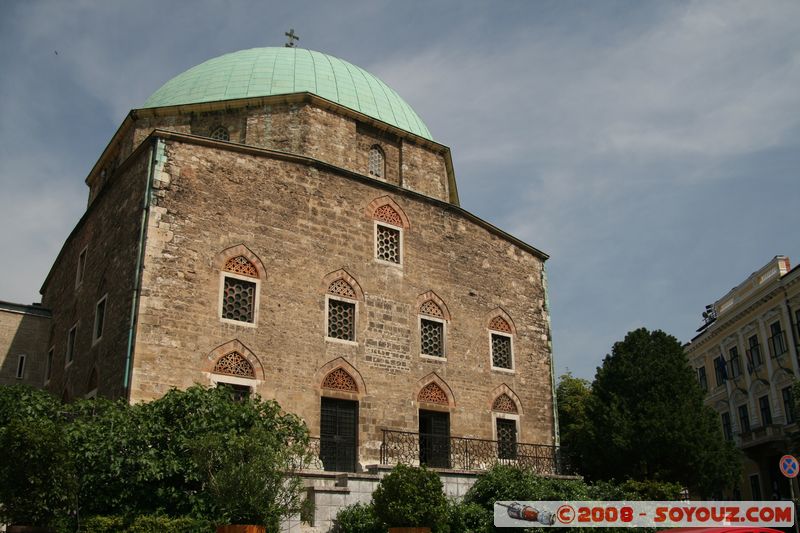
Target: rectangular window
{"x":754,"y":352}
{"x":744,"y":419}
{"x":506,"y":438}
{"x":701,"y":378}
{"x":21,"y":366}
{"x":238,"y":300}
{"x":733,"y":362}
{"x":777,"y":341}
{"x":81,"y":270}
{"x":501,"y":351}
{"x":788,"y":404}
{"x":341,"y":319}
{"x":766,"y":412}
{"x":720,"y":372}
{"x":387,"y":243}
{"x":48,"y":369}
{"x":726,"y":426}
{"x":73,"y":333}
{"x":431,"y":335}
{"x":99,"y":319}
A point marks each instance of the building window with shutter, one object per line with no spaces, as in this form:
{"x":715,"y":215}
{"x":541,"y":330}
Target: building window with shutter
{"x":220,"y":133}
{"x":341,"y":311}
{"x":377,"y":162}
{"x":431,"y":330}
{"x":239,"y":291}
{"x":501,"y":344}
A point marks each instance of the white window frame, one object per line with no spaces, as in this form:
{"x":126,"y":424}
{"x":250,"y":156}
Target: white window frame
{"x":511,"y":370}
{"x":21,"y":366}
{"x":256,"y":300}
{"x":95,"y":338}
{"x":80,"y":271}
{"x":69,"y":353}
{"x":328,"y":298}
{"x":400,"y":244}
{"x":506,"y":416}
{"x":48,"y":364}
{"x":443,"y":322}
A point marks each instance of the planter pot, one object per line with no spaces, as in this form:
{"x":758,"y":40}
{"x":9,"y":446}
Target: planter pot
{"x":409,"y":530}
{"x":241,"y":529}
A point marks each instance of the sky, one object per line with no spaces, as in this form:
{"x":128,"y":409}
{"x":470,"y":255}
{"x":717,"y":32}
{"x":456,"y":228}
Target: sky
{"x":650,"y":148}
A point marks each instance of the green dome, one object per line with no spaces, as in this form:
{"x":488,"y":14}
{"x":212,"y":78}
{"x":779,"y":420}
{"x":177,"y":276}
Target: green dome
{"x":270,"y":71}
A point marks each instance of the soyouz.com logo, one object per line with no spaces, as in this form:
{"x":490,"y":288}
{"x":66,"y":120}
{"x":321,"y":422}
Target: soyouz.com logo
{"x":643,"y":514}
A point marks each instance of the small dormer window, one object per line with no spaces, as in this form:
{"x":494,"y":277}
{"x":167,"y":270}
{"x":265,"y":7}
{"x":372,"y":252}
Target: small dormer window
{"x":377,"y":162}
{"x":220,"y":133}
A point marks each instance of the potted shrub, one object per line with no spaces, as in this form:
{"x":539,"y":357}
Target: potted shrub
{"x":249,"y":480}
{"x":411,"y":500}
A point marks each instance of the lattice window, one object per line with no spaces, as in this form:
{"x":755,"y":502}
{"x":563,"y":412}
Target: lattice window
{"x":431,"y":335}
{"x":376,"y":162}
{"x":234,"y":364}
{"x":339,"y":379}
{"x":501,"y":351}
{"x":506,"y":438}
{"x":387,"y":213}
{"x":498,"y":323}
{"x":241,"y":265}
{"x":238,"y":301}
{"x":341,"y":319}
{"x":388,"y":244}
{"x":220,"y":133}
{"x":432,"y":393}
{"x":430,"y":308}
{"x":341,"y":288}
{"x":504,"y":404}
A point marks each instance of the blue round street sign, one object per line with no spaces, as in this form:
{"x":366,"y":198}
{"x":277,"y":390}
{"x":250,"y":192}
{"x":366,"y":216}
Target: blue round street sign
{"x":789,"y":466}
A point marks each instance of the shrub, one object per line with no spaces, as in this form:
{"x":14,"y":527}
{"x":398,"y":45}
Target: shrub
{"x":411,"y":497}
{"x":469,"y":518}
{"x":357,"y":518}
{"x":103,"y":524}
{"x":146,"y":524}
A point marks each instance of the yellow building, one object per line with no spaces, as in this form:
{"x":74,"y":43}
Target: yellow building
{"x":746,"y":358}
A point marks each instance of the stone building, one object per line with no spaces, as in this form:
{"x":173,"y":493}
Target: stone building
{"x":746,"y":358}
{"x":280,"y":221}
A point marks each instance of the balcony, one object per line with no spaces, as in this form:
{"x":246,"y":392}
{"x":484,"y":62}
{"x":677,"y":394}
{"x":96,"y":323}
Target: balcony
{"x":762,"y":435}
{"x":469,"y":454}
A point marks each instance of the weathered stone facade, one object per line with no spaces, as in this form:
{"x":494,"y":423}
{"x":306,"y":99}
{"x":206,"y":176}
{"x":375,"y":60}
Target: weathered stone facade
{"x":229,"y":261}
{"x":23,"y":331}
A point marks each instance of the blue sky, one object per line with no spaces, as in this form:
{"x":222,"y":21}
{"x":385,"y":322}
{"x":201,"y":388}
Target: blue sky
{"x":651,"y":148}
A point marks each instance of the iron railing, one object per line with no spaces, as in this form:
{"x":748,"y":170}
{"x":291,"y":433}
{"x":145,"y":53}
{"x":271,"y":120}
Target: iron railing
{"x":463,"y":453}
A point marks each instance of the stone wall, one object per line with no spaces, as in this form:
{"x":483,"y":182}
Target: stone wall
{"x":23,"y":332}
{"x":303,"y":224}
{"x":109,"y":233}
{"x":306,"y":129}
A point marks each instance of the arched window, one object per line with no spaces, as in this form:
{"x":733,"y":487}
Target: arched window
{"x":239,"y":290}
{"x":233,"y":372}
{"x":340,"y":380}
{"x":377,"y":162}
{"x":506,"y":425}
{"x":388,"y":234}
{"x":341,"y":310}
{"x":501,"y":339}
{"x":220,"y":133}
{"x":431,"y":330}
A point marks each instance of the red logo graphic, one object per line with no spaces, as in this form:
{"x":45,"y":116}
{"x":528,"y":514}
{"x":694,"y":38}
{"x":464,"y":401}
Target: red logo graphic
{"x":565,"y":514}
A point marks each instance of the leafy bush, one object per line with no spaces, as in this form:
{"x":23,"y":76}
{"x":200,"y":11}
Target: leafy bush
{"x":358,"y":518}
{"x":469,"y":518}
{"x":146,"y":524}
{"x":37,"y":477}
{"x":246,"y":476}
{"x":411,"y":497}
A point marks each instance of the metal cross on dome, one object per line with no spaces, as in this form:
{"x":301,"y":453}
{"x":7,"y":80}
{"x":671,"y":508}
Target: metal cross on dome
{"x":292,"y":38}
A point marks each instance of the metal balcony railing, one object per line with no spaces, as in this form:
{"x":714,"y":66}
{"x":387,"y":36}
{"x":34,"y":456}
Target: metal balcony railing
{"x":463,"y":453}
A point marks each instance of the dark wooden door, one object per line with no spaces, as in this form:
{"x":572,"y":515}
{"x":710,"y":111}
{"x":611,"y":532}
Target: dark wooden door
{"x":339,"y":435}
{"x":434,"y":439}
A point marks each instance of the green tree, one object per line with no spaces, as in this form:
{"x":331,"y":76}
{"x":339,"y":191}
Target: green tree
{"x":572,"y":395}
{"x":37,"y":476}
{"x":645,"y":419}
